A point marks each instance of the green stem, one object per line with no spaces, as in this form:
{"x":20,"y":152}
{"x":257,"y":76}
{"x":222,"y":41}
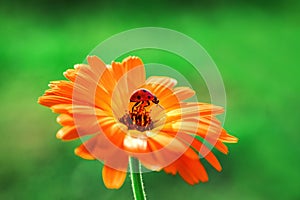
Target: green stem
{"x":136,"y":179}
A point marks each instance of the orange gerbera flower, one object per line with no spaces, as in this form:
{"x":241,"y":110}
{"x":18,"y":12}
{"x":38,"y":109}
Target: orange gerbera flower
{"x":120,"y":114}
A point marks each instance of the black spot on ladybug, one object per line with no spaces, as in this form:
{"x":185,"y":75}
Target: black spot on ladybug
{"x":144,"y":90}
{"x":138,"y":97}
{"x":149,"y":97}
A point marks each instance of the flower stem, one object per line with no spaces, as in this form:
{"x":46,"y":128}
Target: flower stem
{"x":136,"y":179}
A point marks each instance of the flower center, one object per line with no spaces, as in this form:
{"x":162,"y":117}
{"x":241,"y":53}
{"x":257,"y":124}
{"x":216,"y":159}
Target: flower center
{"x":138,"y":117}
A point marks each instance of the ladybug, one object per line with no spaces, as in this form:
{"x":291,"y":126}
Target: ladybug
{"x":142,"y":97}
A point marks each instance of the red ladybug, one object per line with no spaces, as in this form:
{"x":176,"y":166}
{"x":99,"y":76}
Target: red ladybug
{"x":143,"y":97}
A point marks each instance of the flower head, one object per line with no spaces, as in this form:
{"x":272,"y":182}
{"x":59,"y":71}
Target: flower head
{"x":118,"y":113}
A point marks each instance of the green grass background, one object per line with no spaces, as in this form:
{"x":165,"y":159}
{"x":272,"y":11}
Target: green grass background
{"x":255,"y":45}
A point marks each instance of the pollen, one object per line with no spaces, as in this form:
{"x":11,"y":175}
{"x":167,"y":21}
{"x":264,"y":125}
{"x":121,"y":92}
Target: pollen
{"x":137,"y":119}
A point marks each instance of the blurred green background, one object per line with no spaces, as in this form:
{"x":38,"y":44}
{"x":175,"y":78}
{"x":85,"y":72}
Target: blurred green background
{"x":255,"y":44}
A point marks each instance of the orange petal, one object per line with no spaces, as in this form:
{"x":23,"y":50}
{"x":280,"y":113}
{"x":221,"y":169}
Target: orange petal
{"x":218,"y":145}
{"x":131,"y":62}
{"x":101,"y":148}
{"x":171,"y":169}
{"x":61,"y":108}
{"x":225,"y":137}
{"x":65,"y":86}
{"x":212,"y":159}
{"x":92,"y":72}
{"x":112,"y":178}
{"x":200,"y":148}
{"x":191,"y":170}
{"x":207,"y":154}
{"x":161,"y":82}
{"x":202,"y":108}
{"x":65,"y":120}
{"x":52,"y":100}
{"x":118,"y":69}
{"x":103,"y":99}
{"x":164,"y":150}
{"x":84,"y":153}
{"x":97,"y":65}
{"x":107,"y":79}
{"x":158,"y":157}
{"x":86,"y":83}
{"x":96,"y":147}
{"x":67,"y":133}
{"x":136,"y":71}
{"x":71,"y":74}
{"x":183,"y":93}
{"x":178,"y":139}
{"x":169,"y":142}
